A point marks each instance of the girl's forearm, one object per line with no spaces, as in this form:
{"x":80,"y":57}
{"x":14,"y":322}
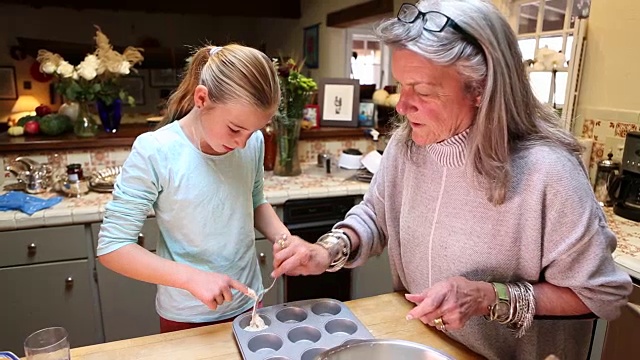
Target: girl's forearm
{"x":266,"y":221}
{"x":138,"y":263}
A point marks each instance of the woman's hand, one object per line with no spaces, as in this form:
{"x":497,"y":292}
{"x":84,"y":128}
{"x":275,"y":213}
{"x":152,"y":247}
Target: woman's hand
{"x":294,"y":256}
{"x":453,"y":301}
{"x":213,"y":289}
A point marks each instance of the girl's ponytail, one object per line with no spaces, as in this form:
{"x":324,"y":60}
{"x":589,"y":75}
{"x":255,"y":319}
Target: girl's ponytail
{"x":181,"y":100}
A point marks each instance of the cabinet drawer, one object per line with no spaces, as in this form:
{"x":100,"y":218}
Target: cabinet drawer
{"x":45,"y":295}
{"x":32,"y":246}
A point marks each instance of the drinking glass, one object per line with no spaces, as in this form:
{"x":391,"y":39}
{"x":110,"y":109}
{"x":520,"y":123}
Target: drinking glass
{"x":47,"y":344}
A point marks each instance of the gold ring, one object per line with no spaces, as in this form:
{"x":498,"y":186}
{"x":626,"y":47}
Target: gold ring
{"x":439,"y":324}
{"x":282,"y":243}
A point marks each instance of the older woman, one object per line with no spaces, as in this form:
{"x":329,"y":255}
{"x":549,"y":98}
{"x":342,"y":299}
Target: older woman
{"x":490,"y":221}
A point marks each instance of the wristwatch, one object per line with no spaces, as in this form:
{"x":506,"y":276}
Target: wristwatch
{"x":500,"y":311}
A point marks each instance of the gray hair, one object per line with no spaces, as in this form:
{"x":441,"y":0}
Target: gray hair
{"x":509,"y":116}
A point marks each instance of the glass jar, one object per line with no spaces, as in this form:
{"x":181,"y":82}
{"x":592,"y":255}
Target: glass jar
{"x":74,"y":172}
{"x":85,"y":125}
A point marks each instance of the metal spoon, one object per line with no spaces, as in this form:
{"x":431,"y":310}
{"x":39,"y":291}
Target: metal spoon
{"x":258,"y":298}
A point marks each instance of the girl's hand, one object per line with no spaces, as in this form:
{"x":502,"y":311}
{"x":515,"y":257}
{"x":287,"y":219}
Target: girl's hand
{"x":453,"y":301}
{"x":213,"y":289}
{"x":294,"y":256}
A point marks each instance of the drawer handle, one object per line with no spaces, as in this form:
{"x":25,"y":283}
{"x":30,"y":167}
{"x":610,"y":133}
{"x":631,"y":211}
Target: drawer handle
{"x":141,"y":239}
{"x":263,"y":258}
{"x":31,"y":249}
{"x":68,"y":282}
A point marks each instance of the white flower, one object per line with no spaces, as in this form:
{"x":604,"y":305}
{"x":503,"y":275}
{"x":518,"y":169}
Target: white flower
{"x":65,"y":69}
{"x":48,"y":68}
{"x":124,"y":68}
{"x":75,"y":76}
{"x":86,"y":71}
{"x":91,"y":61}
{"x":101,"y":68}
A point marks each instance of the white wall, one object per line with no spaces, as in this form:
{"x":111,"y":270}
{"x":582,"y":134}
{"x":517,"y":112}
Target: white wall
{"x":611,"y":76}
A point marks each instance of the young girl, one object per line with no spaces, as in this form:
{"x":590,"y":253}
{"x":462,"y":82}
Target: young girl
{"x":203,"y":178}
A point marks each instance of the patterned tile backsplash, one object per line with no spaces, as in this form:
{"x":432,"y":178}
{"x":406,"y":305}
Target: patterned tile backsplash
{"x":100,"y":158}
{"x":607,"y":136}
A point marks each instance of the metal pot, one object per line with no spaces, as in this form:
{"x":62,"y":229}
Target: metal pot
{"x":379,"y":349}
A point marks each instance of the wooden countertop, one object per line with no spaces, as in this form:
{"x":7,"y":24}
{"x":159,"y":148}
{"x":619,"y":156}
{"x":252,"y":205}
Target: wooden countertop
{"x":383,"y":315}
{"x":128,"y":133}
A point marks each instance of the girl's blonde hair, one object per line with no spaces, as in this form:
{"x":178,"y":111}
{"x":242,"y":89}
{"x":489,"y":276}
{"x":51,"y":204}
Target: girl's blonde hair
{"x":232,"y":74}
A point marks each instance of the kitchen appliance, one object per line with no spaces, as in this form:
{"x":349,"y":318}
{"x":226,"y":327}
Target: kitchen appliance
{"x":624,"y":189}
{"x":310,"y":219}
{"x":350,"y":159}
{"x":374,"y":349}
{"x":607,"y":169}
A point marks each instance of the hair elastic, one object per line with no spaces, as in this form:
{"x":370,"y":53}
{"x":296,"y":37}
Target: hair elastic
{"x":214,"y":50}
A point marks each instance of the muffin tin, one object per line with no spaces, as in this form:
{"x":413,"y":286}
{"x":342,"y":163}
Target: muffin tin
{"x":298,"y":330}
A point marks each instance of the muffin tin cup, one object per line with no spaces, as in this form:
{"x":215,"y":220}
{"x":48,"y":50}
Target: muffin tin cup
{"x":298,"y":330}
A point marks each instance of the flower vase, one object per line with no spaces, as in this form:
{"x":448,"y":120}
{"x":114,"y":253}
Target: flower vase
{"x":110,"y":115}
{"x":287,"y":133}
{"x":85,"y":125}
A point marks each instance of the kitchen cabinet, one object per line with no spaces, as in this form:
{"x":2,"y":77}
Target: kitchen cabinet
{"x":622,"y":334}
{"x":373,"y":278}
{"x":264,"y":250}
{"x":45,"y":277}
{"x":128,"y":306}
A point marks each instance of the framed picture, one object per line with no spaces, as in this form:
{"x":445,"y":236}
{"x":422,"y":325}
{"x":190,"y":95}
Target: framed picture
{"x":163,"y":77}
{"x":310,"y":113}
{"x":8,"y":84}
{"x":134,"y":85}
{"x":339,"y":100}
{"x":310,"y":46}
{"x":365,"y":114}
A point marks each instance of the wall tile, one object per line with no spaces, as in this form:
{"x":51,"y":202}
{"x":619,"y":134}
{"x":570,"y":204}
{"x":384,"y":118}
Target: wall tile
{"x":603,"y":129}
{"x":622,"y":128}
{"x":587,"y":128}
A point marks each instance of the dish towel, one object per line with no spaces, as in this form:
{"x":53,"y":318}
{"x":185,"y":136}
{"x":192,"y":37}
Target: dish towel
{"x":28,"y":204}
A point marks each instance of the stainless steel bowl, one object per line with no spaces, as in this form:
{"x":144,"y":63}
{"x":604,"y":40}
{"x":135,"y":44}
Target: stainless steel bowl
{"x":376,"y":349}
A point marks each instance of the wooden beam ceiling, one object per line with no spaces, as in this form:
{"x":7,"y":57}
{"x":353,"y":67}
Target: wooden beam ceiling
{"x":289,"y":9}
{"x":360,"y":14}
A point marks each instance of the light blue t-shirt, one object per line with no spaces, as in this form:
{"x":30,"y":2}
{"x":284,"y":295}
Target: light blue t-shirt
{"x":204,"y":205}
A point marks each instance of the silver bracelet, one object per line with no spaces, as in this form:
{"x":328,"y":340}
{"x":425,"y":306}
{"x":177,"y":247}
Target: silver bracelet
{"x":523,"y":307}
{"x":336,"y":242}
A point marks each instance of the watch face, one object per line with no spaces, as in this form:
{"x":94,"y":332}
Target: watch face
{"x":502,"y":310}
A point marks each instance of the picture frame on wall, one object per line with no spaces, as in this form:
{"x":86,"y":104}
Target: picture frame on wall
{"x":366,"y":113}
{"x":339,"y":102}
{"x":311,"y":114}
{"x":8,"y":83}
{"x":310,"y":45}
{"x":163,"y":78}
{"x":134,"y":85}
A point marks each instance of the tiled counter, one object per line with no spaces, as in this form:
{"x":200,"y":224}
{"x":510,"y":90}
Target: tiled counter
{"x":627,"y":254}
{"x":313,"y":183}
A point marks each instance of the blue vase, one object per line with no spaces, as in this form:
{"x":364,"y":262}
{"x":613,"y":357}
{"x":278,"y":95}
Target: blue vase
{"x":110,"y":115}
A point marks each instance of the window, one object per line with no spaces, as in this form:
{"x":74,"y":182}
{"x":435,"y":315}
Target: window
{"x":541,"y":23}
{"x":367,"y":57}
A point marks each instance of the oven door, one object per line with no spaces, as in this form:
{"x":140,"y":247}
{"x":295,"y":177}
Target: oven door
{"x":335,"y":285}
